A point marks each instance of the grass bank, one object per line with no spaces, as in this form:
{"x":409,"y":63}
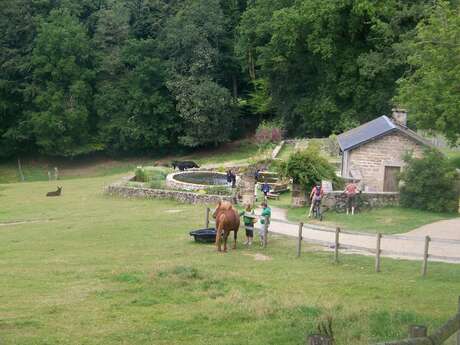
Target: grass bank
{"x":387,"y":220}
{"x":88,"y":269}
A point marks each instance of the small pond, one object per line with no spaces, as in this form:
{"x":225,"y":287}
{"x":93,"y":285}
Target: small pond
{"x":196,"y":180}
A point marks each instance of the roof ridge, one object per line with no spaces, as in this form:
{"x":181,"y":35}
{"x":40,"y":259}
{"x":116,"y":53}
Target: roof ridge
{"x":391,"y":123}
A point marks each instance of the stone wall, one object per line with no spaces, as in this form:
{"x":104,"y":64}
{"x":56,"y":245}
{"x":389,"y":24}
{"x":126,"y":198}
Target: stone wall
{"x":119,"y":189}
{"x":371,"y":158}
{"x":365,"y":201}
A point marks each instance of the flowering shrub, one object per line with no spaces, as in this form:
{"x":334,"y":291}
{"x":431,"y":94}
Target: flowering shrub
{"x":269,"y":133}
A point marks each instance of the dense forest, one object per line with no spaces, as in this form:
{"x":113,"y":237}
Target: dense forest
{"x":143,"y":76}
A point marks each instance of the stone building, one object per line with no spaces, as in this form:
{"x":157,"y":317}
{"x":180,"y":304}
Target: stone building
{"x":373,"y":152}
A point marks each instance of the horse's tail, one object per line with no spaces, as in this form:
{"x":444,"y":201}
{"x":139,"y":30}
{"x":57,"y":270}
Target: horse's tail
{"x":220,"y":223}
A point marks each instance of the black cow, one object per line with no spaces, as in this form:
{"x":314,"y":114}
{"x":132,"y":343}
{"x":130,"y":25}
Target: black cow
{"x":184,"y":165}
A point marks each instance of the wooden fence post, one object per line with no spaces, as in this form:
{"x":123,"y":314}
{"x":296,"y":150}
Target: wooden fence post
{"x":206,"y":221}
{"x":319,"y":340}
{"x":377,"y":253}
{"x":425,"y":255}
{"x":266,"y":231}
{"x":21,"y":174}
{"x":418,"y":331}
{"x":458,"y":333}
{"x":337,"y":244}
{"x":299,"y":243}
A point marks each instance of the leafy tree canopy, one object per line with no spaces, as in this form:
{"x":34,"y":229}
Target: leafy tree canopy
{"x":431,"y":92}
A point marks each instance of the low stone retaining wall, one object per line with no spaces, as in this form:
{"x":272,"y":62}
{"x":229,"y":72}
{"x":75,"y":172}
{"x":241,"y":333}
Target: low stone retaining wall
{"x":119,"y":189}
{"x":338,"y":200}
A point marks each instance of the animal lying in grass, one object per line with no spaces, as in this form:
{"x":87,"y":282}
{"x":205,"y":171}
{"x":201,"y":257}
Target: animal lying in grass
{"x":55,"y":193}
{"x":227,"y":220}
{"x":184,"y":165}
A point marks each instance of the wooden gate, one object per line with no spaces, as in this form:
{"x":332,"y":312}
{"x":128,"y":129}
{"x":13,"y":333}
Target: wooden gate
{"x":390,"y":181}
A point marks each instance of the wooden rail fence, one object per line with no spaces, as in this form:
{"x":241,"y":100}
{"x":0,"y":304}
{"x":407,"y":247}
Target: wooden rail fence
{"x":417,"y":334}
{"x":336,"y":244}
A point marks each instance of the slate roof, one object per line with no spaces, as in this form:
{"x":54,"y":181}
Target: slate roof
{"x":373,"y":130}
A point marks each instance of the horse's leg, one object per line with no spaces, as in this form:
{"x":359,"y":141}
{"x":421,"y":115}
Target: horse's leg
{"x":235,"y":235}
{"x":218,"y":237}
{"x":226,"y":233}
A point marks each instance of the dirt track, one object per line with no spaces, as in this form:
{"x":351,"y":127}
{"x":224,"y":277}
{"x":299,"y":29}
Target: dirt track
{"x":444,"y":246}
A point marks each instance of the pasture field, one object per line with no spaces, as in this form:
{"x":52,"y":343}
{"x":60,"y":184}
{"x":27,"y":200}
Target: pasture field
{"x":37,"y":170}
{"x":85,"y":268}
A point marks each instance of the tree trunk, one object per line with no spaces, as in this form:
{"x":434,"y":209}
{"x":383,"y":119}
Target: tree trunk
{"x":299,"y":195}
{"x":235,"y":86}
{"x":252,"y":69}
{"x":247,"y":189}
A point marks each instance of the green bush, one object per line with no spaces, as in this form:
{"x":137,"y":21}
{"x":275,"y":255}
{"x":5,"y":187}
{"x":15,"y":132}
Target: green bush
{"x":455,"y":160}
{"x":307,"y":167}
{"x":331,"y":145}
{"x":429,"y":183}
{"x":218,"y":190}
{"x":141,"y":174}
{"x":152,"y":175}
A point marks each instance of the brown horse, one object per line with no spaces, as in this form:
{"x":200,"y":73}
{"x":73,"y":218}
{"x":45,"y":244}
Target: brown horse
{"x":227,"y":219}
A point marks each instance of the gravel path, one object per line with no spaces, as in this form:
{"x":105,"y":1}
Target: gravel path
{"x":444,"y":246}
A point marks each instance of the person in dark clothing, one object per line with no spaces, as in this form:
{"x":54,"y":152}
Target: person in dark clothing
{"x":229,"y":177}
{"x":265,"y":189}
{"x":233,"y":179}
{"x":257,"y":175}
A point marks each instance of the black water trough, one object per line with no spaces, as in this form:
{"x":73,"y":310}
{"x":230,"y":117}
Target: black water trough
{"x":204,"y":235}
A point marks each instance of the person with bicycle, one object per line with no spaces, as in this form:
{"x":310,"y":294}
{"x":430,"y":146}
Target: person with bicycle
{"x":316,"y":195}
{"x":350,"y":191}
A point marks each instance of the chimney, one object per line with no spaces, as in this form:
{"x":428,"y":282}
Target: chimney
{"x":399,"y":116}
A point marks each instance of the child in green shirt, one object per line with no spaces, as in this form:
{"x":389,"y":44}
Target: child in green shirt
{"x":249,"y":218}
{"x":266,"y":213}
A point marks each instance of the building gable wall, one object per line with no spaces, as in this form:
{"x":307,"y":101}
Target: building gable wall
{"x":370,"y":159}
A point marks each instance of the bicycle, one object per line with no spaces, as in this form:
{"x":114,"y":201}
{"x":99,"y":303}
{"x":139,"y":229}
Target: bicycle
{"x":317,"y":210}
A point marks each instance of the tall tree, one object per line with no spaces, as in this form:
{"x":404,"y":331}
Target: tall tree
{"x":432,"y":91}
{"x":17,"y":32}
{"x":136,"y":110}
{"x":62,"y":87}
{"x":191,"y":42}
{"x":328,"y":65}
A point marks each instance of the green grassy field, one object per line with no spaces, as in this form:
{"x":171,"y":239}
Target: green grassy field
{"x":388,"y":220}
{"x":37,"y":170}
{"x":88,"y":269}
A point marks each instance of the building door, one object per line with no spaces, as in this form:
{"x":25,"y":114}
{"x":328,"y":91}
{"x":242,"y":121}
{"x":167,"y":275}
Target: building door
{"x":390,"y":181}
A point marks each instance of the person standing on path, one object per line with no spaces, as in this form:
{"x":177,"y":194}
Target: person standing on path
{"x":350,"y":192}
{"x":233,"y":179}
{"x":266,"y":213}
{"x":229,"y":178}
{"x":249,"y":218}
{"x":265,"y":189}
